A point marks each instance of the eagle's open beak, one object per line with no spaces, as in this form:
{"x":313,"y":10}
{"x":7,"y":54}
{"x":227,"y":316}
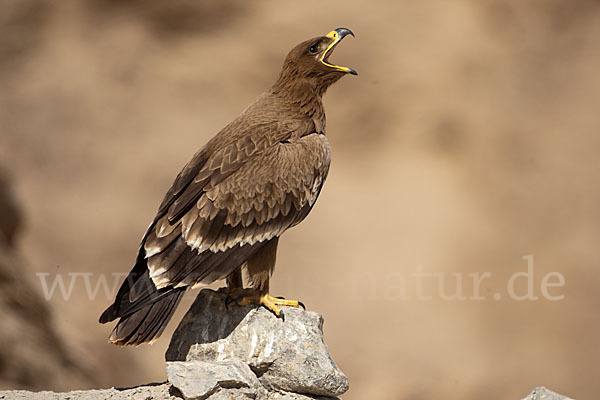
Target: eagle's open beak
{"x":337,"y":35}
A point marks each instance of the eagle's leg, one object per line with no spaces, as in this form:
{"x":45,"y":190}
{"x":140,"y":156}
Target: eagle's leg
{"x":260,"y":267}
{"x":235,"y":284}
{"x":235,"y":288}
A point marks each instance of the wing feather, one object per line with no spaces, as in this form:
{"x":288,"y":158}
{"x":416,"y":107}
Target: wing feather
{"x":237,"y":200}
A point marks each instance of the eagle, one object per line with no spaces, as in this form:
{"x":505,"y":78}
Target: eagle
{"x":224,"y":213}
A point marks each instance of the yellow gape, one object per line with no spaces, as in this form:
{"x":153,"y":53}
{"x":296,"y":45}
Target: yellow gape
{"x":336,"y":39}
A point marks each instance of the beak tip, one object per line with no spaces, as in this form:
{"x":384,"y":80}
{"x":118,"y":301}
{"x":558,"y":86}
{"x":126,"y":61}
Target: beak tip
{"x":344,"y":32}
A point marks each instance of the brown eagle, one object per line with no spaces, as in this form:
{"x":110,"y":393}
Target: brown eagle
{"x":255,"y":179}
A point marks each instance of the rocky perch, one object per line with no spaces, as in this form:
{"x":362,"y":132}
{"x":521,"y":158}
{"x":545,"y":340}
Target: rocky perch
{"x":240,"y":353}
{"x":235,"y":353}
{"x":249,"y":353}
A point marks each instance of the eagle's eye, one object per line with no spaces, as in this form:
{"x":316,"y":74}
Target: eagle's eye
{"x":314,"y":48}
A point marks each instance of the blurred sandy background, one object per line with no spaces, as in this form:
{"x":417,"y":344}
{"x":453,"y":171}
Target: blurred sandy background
{"x":469,"y":139}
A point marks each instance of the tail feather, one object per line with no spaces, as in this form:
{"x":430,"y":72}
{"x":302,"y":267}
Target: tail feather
{"x":123,"y":305}
{"x":147,"y":323}
{"x":143,"y":310}
{"x":136,"y":292}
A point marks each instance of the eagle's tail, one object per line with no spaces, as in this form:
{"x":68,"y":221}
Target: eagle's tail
{"x":148,"y":323}
{"x":143,"y":310}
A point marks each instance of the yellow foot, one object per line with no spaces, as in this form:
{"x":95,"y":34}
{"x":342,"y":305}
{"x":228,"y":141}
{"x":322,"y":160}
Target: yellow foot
{"x":270,"y":302}
{"x":235,"y":295}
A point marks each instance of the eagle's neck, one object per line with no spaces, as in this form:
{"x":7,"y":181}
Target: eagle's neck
{"x":304,"y":96}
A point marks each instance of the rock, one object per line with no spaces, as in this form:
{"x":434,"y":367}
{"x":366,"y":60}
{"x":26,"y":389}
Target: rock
{"x":541,"y":393}
{"x":165,"y":391}
{"x":154,"y":391}
{"x":145,"y":392}
{"x":286,"y":356}
{"x":201,"y":379}
{"x":293,"y":396}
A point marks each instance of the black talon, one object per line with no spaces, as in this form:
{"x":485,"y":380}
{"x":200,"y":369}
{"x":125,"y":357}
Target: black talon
{"x":282,"y":315}
{"x":280,"y":297}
